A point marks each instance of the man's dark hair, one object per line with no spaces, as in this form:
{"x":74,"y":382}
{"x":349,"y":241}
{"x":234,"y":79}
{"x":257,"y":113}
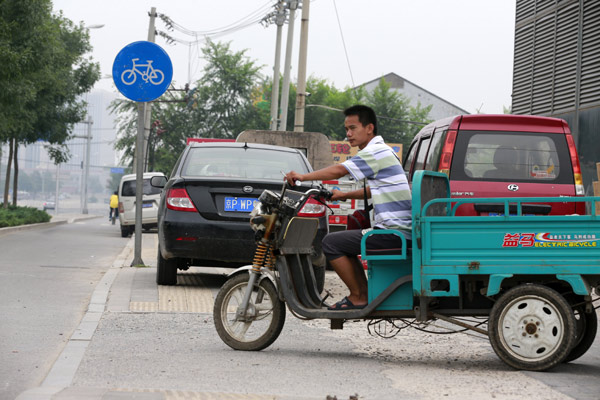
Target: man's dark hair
{"x":365,"y":115}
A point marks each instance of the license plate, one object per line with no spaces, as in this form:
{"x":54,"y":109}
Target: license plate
{"x":240,"y":204}
{"x":146,"y":205}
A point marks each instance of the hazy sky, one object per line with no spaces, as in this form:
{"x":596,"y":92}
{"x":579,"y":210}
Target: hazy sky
{"x":460,"y":50}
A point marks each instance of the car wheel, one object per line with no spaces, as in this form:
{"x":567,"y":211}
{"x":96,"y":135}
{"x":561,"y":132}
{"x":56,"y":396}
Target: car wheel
{"x":532,"y":327}
{"x":166,"y":270}
{"x":124,"y":231}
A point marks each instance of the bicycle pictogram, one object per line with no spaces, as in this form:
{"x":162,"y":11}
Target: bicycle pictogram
{"x":150,"y":74}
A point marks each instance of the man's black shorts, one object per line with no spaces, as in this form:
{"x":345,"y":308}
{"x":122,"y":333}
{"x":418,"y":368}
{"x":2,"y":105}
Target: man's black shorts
{"x":347,"y":243}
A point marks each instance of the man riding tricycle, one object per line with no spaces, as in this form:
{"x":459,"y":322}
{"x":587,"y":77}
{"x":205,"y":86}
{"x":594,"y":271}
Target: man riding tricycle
{"x":530,"y":276}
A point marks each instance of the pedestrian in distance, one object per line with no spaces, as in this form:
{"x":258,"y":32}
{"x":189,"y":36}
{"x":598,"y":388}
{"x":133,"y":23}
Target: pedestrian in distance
{"x":387,"y":187}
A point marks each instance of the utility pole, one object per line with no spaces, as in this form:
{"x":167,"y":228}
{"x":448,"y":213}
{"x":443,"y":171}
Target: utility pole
{"x":285,"y":91}
{"x":86,"y":172}
{"x":140,"y":151}
{"x":56,"y":197}
{"x":279,"y":20}
{"x":301,"y":89}
{"x":151,"y":38}
{"x":87,"y":164}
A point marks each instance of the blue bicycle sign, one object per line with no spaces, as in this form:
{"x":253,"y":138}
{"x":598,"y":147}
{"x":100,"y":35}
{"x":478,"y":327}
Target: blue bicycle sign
{"x":142,"y":71}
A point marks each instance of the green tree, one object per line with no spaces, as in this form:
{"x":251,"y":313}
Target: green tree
{"x":42,"y":74}
{"x":398,"y":121}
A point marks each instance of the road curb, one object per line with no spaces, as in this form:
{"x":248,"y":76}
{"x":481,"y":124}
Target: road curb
{"x":65,"y":366}
{"x":10,"y":229}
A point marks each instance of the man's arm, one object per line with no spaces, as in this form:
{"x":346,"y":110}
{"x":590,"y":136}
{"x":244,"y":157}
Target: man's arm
{"x":332,"y":172}
{"x":357,"y":194}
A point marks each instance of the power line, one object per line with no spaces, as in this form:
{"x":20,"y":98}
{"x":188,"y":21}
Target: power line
{"x":251,"y":19}
{"x":344,"y":43}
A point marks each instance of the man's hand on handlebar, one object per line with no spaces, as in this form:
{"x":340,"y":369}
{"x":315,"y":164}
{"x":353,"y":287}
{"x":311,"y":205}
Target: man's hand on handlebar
{"x":338,"y":195}
{"x":292,"y":177}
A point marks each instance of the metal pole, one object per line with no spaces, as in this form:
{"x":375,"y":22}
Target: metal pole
{"x":285,"y":91}
{"x":301,"y":90}
{"x":140,"y":150}
{"x":87,"y":164}
{"x":139,"y":186}
{"x":279,"y":20}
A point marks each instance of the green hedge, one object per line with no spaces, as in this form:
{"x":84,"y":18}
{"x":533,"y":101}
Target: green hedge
{"x":15,"y":216}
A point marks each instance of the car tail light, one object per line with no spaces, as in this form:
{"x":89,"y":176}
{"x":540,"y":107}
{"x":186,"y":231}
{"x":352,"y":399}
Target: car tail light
{"x":121,"y":208}
{"x":312,"y":208}
{"x":579,"y":191}
{"x":447,"y":151}
{"x":178,"y":199}
{"x":338,"y":219}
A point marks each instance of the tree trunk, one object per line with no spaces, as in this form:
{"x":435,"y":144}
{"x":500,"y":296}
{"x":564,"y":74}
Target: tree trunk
{"x":16,"y":175}
{"x":8,"y":165}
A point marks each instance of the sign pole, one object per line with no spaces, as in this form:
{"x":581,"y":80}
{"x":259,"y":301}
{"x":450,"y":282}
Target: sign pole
{"x":139,"y":186}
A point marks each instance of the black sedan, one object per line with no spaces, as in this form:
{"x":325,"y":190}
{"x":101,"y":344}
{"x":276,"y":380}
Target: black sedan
{"x":203,"y":216}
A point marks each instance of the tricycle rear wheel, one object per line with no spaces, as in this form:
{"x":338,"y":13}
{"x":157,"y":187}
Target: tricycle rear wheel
{"x":532,"y":327}
{"x":586,"y":325}
{"x":265,"y":315}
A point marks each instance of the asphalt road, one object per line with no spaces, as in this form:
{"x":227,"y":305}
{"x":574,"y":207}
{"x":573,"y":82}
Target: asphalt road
{"x":46,"y":278}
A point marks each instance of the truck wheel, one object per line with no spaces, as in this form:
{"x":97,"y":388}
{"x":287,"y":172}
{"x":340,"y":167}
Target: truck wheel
{"x":124,"y":231}
{"x":265,"y":319}
{"x":532,"y":327}
{"x":586,"y":326}
{"x":166,"y":270}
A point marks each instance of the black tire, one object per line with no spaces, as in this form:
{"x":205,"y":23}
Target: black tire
{"x":532,"y":327}
{"x":259,"y":330}
{"x":586,"y":327}
{"x":166,"y":270}
{"x":124,"y":231}
{"x":319,"y":277}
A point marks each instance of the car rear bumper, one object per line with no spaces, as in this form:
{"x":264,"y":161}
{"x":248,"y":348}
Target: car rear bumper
{"x":188,"y":235}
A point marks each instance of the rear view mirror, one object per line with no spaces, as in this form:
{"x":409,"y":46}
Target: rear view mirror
{"x":158,"y":181}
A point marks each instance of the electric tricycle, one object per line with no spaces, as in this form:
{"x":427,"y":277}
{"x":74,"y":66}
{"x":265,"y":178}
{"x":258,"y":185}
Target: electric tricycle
{"x":529,"y":278}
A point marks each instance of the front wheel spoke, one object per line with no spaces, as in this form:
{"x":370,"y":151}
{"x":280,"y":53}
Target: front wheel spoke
{"x":240,"y":328}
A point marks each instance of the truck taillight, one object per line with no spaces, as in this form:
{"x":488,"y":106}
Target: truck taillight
{"x":313,"y":209}
{"x":447,"y":152}
{"x":178,"y":199}
{"x":121,"y":208}
{"x":579,"y":190}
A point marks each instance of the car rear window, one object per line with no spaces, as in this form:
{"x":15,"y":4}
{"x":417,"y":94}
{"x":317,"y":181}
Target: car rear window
{"x":239,"y":162}
{"x":128,"y":188}
{"x":511,"y":156}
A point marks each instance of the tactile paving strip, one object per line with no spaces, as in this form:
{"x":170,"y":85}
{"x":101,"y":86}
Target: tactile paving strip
{"x":189,"y":295}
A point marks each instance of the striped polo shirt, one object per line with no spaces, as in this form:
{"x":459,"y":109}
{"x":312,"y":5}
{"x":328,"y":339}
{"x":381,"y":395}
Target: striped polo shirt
{"x":390,"y":192}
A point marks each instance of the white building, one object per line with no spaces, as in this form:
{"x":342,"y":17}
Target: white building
{"x":416,"y":94}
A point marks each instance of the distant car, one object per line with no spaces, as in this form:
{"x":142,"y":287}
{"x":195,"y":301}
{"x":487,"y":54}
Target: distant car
{"x":203,"y":217}
{"x":150,"y":199}
{"x":48,"y":205}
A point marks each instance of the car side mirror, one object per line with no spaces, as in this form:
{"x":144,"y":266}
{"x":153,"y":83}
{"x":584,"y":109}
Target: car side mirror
{"x":158,"y":181}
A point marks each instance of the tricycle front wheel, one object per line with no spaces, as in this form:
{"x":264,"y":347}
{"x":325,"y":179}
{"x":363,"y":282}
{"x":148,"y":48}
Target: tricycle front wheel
{"x":532,"y":327}
{"x":264,"y":318}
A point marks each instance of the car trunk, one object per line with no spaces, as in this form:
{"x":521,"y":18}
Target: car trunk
{"x":226,"y":200}
{"x":473,"y":189}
